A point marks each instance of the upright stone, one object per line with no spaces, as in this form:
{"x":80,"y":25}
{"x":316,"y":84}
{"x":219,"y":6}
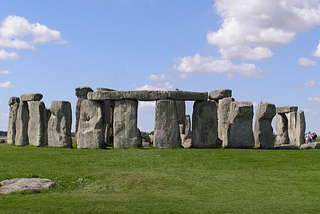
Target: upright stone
{"x":240,"y":134}
{"x":181,"y":112}
{"x":125,"y":124}
{"x":204,"y":125}
{"x":263,"y":132}
{"x":292,"y":123}
{"x":223,"y":119}
{"x":107,"y":114}
{"x":14,"y":105}
{"x":81,"y":93}
{"x":91,"y":125}
{"x":22,"y":124}
{"x":282,"y":129}
{"x":37,"y":126}
{"x":300,"y":128}
{"x":59,"y":124}
{"x":187,"y":127}
{"x":166,"y":127}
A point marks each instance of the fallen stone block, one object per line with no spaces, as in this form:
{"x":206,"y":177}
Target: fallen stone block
{"x":314,"y":145}
{"x":25,"y":184}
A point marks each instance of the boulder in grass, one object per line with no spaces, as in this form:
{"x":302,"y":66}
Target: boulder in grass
{"x":314,"y":145}
{"x":25,"y":184}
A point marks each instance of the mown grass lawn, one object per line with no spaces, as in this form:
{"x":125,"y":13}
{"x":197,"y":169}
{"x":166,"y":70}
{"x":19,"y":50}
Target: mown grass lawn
{"x":164,"y":180}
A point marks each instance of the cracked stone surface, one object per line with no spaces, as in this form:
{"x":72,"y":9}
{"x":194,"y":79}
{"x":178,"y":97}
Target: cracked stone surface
{"x":25,"y":184}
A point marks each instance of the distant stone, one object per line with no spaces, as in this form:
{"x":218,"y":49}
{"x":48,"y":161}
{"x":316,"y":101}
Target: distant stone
{"x":166,"y":128}
{"x":286,"y":147}
{"x":204,"y":125}
{"x":187,"y":126}
{"x":186,"y":143}
{"x":187,"y":95}
{"x":181,"y":113}
{"x":292,"y":124}
{"x":300,"y":128}
{"x":14,"y":100}
{"x":21,"y":138}
{"x":59,"y":124}
{"x":145,"y":95}
{"x":25,"y":184}
{"x":263,"y":132}
{"x":82,"y":91}
{"x":240,"y":134}
{"x":105,"y":95}
{"x":11,"y":134}
{"x":125,"y":130}
{"x":314,"y":145}
{"x":282,"y":129}
{"x":31,"y":97}
{"x":220,"y":94}
{"x":37,"y":126}
{"x":223,"y":119}
{"x":145,"y":144}
{"x":91,"y":133}
{"x":286,"y":109}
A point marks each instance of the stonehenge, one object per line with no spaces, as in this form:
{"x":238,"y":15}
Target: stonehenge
{"x":107,"y":117}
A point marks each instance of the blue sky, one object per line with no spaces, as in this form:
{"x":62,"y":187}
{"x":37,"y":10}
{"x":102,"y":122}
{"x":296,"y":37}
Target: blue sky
{"x":265,"y":51}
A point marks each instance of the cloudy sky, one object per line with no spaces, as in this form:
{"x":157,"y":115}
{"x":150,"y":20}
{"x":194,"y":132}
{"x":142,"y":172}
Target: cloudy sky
{"x":265,"y":51}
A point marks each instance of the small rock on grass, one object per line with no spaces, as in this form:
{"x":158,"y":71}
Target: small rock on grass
{"x":25,"y":184}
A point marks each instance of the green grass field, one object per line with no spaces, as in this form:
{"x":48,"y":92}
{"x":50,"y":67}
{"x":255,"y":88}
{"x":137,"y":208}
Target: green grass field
{"x":164,"y":180}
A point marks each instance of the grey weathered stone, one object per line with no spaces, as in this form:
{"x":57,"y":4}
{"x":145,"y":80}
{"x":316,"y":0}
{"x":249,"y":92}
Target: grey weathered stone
{"x":82,"y":91}
{"x":11,"y":134}
{"x":220,"y":94}
{"x":22,"y":119}
{"x":14,"y":100}
{"x":204,"y":125}
{"x":166,"y":128}
{"x":223,"y":119}
{"x":37,"y":126}
{"x":181,"y":113}
{"x":300,"y":128}
{"x":105,"y":95}
{"x":187,"y":126}
{"x":104,"y":89}
{"x":314,"y":145}
{"x":292,"y":123}
{"x":59,"y":124}
{"x":187,"y":95}
{"x":31,"y":97}
{"x":125,"y":124}
{"x":263,"y":131}
{"x":91,"y":131}
{"x":286,"y":109}
{"x":240,"y":134}
{"x":145,"y":95}
{"x":25,"y":184}
{"x":282,"y":129}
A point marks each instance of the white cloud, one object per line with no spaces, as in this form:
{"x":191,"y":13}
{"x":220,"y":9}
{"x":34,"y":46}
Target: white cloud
{"x":317,"y":52}
{"x":313,"y":99}
{"x":244,"y":52}
{"x":146,"y":106}
{"x":306,"y":62}
{"x":311,"y":83}
{"x":165,"y":85}
{"x":6,"y":85}
{"x":8,"y":56}
{"x":249,"y":24}
{"x":200,"y":64}
{"x":184,"y":76}
{"x":5,"y":72}
{"x":160,"y":77}
{"x":310,"y":112}
{"x":16,"y":32}
{"x":149,"y":88}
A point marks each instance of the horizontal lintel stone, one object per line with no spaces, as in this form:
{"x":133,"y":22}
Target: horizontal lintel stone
{"x":286,"y":109}
{"x":31,"y":97}
{"x":147,"y":95}
{"x":220,"y":94}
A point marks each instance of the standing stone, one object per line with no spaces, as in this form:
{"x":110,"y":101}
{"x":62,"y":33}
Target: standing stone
{"x":14,"y":105}
{"x":166,"y":127}
{"x":204,"y":124}
{"x":181,"y":113}
{"x":81,"y":93}
{"x":108,"y":115}
{"x":59,"y":124}
{"x":240,"y":134}
{"x":22,"y":125}
{"x":282,"y":129}
{"x":187,"y":127}
{"x":223,"y":119}
{"x":300,"y":128}
{"x":90,"y":133}
{"x":292,"y":122}
{"x":263,"y":132}
{"x":37,"y":126}
{"x":125,"y":124}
